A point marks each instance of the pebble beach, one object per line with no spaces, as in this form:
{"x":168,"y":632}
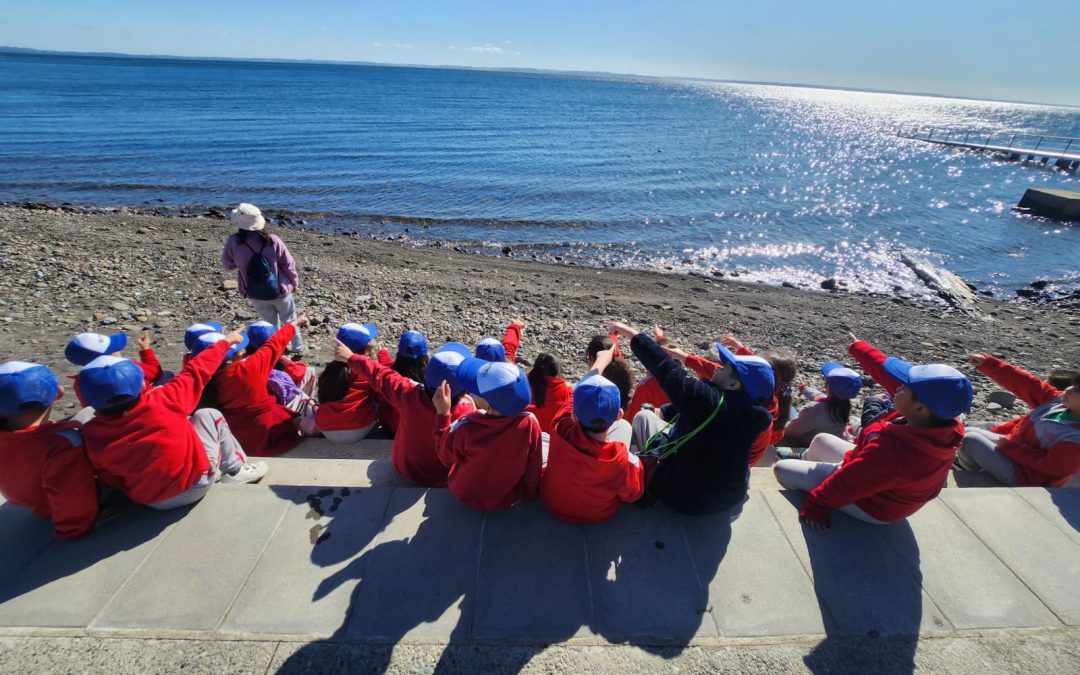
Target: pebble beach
{"x":64,"y":271}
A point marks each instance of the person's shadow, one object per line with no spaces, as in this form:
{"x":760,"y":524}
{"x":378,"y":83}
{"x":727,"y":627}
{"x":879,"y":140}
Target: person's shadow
{"x":869,"y":589}
{"x":640,"y":578}
{"x":33,"y":559}
{"x":1067,"y":501}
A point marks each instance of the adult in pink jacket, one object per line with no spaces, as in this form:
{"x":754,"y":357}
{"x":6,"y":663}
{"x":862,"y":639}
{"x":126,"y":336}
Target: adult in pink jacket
{"x":269,"y":286}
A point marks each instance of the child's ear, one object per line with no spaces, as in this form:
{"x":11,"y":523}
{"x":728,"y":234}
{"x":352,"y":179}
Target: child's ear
{"x":59,"y":393}
{"x":621,"y":415}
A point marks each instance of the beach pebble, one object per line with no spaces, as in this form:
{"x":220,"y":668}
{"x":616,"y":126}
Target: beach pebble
{"x":229,"y":285}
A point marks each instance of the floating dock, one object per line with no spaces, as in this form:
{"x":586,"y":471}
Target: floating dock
{"x":1061,"y":152}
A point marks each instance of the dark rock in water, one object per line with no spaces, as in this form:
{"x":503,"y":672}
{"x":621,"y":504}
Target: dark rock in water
{"x":1027,"y":293}
{"x":829,"y":284}
{"x":1039,"y":284}
{"x":788,"y":284}
{"x":717,"y":273}
{"x":507,"y":251}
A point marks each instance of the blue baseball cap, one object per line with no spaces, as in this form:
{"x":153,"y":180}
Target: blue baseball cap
{"x":499,"y":383}
{"x":85,"y":347}
{"x":754,"y":372}
{"x":109,"y":381}
{"x":443,"y":366}
{"x":25,"y":386}
{"x":490,"y":349}
{"x":196,"y":329}
{"x":210,"y":339}
{"x":356,"y":336}
{"x":944,"y":390}
{"x":597,"y":402}
{"x":258,"y":333}
{"x":843,"y":381}
{"x":412,"y":345}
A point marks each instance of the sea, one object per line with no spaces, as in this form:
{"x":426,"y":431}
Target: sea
{"x":778,"y":184}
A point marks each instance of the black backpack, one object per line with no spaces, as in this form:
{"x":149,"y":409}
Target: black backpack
{"x":260,"y":279}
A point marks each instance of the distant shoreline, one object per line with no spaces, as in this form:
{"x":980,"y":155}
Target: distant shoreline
{"x":522,"y":71}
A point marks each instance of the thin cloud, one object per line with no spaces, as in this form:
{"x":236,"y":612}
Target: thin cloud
{"x":486,"y":49}
{"x":392,"y":45}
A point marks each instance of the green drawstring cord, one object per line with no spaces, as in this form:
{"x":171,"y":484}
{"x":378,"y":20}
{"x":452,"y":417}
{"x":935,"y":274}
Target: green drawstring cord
{"x":672,"y":447}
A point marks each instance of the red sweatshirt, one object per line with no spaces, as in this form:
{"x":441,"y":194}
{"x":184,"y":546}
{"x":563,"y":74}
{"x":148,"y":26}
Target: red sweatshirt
{"x":46,"y":470}
{"x":1046,"y":451}
{"x":586,"y":479}
{"x":296,"y":370}
{"x":494,"y":461}
{"x":152,"y":452}
{"x":355,"y":411}
{"x":554,"y":398}
{"x":147,"y":360}
{"x":413,"y":452}
{"x":894,"y":467}
{"x":261,"y":425}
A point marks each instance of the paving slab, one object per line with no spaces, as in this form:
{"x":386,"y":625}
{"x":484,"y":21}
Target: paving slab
{"x":1036,"y":550}
{"x":318,"y":472}
{"x":759,"y":586}
{"x":420,"y":577}
{"x":320,"y":448}
{"x":71,"y":581}
{"x":959,"y":571}
{"x":1061,"y":506}
{"x":644,"y":581}
{"x":534,"y":582}
{"x":304,"y":581}
{"x":193,"y":575}
{"x":25,"y":536}
{"x":865,"y":584}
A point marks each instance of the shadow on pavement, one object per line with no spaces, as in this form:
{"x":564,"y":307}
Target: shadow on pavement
{"x":869,"y":589}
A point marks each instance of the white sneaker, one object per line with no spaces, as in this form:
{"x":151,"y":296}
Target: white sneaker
{"x":249,"y":472}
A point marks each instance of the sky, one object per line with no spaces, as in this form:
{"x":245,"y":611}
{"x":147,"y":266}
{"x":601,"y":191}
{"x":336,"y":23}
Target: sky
{"x":992,"y":49}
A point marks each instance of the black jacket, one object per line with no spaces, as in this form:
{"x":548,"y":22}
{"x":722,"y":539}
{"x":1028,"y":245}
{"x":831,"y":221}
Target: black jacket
{"x":709,"y":473}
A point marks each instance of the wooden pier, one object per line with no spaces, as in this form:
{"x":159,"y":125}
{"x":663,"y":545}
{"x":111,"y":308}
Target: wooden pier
{"x":1061,"y":152}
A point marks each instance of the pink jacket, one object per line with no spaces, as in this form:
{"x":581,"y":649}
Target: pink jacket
{"x":237,"y":254}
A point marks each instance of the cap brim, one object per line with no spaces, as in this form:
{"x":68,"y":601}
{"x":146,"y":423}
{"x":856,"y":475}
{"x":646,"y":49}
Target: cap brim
{"x":117,"y":342}
{"x":898,"y":369}
{"x":725,"y":354}
{"x":372,"y":330}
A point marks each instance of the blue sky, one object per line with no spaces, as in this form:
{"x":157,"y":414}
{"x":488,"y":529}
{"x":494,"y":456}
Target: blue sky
{"x":985,"y":49}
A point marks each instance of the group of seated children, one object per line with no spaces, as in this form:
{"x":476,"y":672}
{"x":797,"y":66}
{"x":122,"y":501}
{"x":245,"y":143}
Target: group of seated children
{"x":474,"y":421}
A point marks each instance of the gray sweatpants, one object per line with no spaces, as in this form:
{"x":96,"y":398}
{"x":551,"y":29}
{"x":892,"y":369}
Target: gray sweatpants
{"x":821,"y":460}
{"x":979,"y":452}
{"x":222,"y":449}
{"x":278,"y":312}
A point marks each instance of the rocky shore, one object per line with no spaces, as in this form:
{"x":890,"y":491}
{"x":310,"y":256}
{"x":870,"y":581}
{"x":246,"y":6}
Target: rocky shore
{"x":64,"y":272}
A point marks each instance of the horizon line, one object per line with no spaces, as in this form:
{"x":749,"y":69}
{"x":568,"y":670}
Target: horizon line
{"x":7,"y":49}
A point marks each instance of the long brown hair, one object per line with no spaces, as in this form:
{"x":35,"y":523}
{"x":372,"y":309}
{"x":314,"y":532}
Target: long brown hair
{"x":545,"y":366}
{"x":784,"y":370}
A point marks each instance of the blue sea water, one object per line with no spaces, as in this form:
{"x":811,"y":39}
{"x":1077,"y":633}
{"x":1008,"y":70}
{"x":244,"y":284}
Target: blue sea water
{"x":780,"y":183}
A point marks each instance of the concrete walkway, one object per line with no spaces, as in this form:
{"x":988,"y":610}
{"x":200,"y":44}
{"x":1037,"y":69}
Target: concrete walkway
{"x":367,"y":560}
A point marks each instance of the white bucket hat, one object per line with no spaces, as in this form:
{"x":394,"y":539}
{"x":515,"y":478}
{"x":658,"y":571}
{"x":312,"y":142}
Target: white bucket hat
{"x":247,"y":217}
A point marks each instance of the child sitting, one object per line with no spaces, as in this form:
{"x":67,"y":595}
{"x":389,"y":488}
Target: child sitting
{"x":192,"y":333}
{"x":44,"y":463}
{"x":348,"y":408}
{"x":698,"y":445}
{"x":901,"y":458}
{"x":618,"y":371}
{"x":490,"y":349}
{"x":829,"y":412}
{"x":590,"y":470}
{"x":302,"y":375}
{"x":85,"y":347}
{"x":263,"y":426}
{"x":413,"y":451}
{"x":1040,"y":449}
{"x":152,"y":444}
{"x":779,"y":407}
{"x":411,"y":361}
{"x":549,"y":391}
{"x":494,"y":454}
